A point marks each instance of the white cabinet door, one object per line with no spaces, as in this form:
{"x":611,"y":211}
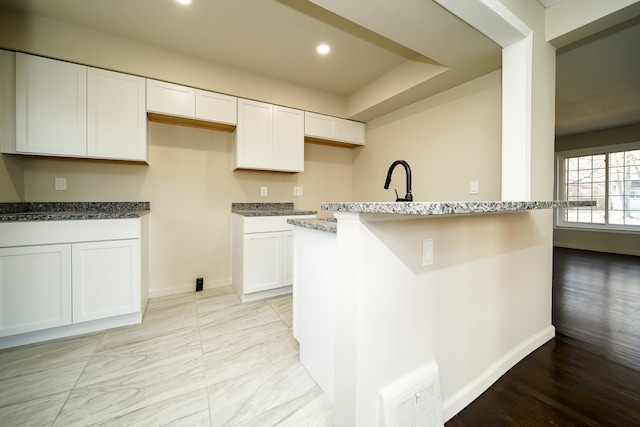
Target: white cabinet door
{"x":7,"y":102}
{"x":288,"y":139}
{"x":253,"y":146}
{"x":350,"y":131}
{"x":319,"y":125}
{"x":171,"y":99}
{"x":35,"y":288}
{"x":327,"y":128}
{"x":262,"y":261}
{"x":269,"y":137}
{"x":106,"y":279}
{"x":216,"y":107}
{"x":51,"y":107}
{"x":116,"y":114}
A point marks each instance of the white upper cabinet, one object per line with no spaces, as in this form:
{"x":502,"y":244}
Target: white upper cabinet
{"x":254,"y":136}
{"x":323,"y":128}
{"x":216,"y":107}
{"x":269,"y":137}
{"x":288,"y":139}
{"x":183,"y":105}
{"x":116,"y":119}
{"x":171,"y":99}
{"x":70,"y":110}
{"x":51,"y":107}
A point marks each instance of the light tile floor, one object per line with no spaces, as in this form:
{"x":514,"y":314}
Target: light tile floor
{"x":198,"y":359}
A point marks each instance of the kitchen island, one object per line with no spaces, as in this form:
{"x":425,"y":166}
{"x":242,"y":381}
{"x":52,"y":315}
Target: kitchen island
{"x":479,"y":305}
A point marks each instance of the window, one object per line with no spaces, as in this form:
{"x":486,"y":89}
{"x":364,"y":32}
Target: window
{"x":611,"y":177}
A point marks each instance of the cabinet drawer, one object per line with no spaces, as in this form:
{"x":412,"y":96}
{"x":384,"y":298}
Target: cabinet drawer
{"x":30,"y":233}
{"x":172,"y":99}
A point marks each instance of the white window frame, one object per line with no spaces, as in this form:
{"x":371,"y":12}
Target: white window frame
{"x":560,"y":156}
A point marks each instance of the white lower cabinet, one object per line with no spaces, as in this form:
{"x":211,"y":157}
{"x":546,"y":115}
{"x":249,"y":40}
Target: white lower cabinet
{"x":35,"y":288}
{"x":262,"y":255}
{"x":62,"y":278}
{"x":106,"y":279}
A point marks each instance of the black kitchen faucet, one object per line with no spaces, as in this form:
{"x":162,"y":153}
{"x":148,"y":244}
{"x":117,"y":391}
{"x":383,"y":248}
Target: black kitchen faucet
{"x":408,"y":197}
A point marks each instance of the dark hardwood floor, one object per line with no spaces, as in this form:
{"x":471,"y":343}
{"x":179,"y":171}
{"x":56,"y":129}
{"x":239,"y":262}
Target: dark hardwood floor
{"x":589,"y":375}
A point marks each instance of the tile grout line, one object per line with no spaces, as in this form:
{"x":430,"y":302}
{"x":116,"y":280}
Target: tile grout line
{"x":102,"y":333}
{"x":204,"y":373}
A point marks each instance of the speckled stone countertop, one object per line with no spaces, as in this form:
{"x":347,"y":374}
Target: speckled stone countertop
{"x":268,"y":209}
{"x":61,"y":211}
{"x":447,"y":208}
{"x":329,"y":225}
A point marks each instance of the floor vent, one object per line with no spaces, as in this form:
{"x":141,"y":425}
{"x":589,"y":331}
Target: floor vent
{"x":414,"y":400}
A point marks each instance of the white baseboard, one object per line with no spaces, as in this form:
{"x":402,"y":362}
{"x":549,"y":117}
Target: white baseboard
{"x":71,"y":330}
{"x":475,"y":388}
{"x":208,"y":284}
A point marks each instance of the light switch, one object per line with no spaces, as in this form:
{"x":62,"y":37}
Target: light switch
{"x":297,"y":191}
{"x":474,"y":187}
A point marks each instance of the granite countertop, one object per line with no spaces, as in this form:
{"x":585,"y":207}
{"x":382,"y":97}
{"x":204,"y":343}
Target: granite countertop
{"x":60,"y":211}
{"x":329,"y":225}
{"x":447,"y":208}
{"x":268,"y":209}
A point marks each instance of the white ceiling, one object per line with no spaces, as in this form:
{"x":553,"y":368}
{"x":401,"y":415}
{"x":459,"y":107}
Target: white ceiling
{"x":598,"y":81}
{"x":277,"y":38}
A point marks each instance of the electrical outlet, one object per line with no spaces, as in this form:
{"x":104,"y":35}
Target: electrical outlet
{"x":263,"y":191}
{"x":297,"y":191}
{"x":199,"y":284}
{"x":427,"y":252}
{"x":61,"y":184}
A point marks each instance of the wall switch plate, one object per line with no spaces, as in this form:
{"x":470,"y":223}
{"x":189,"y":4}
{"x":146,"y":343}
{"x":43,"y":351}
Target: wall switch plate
{"x":297,"y":191}
{"x":427,"y":252}
{"x":263,"y":191}
{"x":61,"y":184}
{"x":474,"y":187}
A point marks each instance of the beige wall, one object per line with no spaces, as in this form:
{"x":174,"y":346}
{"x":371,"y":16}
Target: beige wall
{"x":448,"y":140}
{"x":11,"y":179}
{"x":191,"y":186}
{"x":615,"y":242}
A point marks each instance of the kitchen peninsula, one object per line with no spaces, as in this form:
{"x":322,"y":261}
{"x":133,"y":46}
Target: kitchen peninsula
{"x":476,"y":305}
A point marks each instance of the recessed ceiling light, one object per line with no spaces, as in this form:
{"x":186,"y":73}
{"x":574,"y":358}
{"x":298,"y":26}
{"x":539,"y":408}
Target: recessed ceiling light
{"x":185,"y":1}
{"x":323,"y":49}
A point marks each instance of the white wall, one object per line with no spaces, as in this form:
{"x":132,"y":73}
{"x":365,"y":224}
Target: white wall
{"x":483,"y":305}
